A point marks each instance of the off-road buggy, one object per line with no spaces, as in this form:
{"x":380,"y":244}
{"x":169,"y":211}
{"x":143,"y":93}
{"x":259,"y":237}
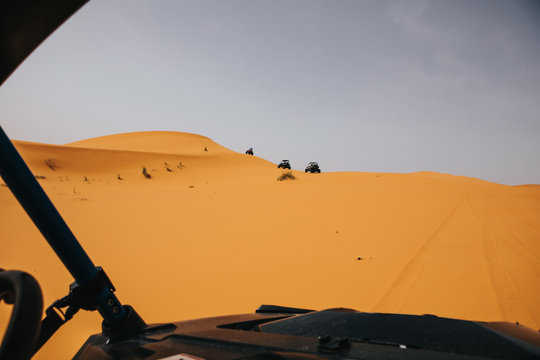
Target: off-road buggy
{"x":313,"y":167}
{"x":284,"y":164}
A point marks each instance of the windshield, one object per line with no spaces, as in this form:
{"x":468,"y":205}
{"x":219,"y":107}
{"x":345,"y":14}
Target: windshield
{"x":134,"y":117}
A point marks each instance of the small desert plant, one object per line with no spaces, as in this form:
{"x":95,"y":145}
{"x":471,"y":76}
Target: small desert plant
{"x":286,"y":176}
{"x":85,"y":178}
{"x":167,"y":167}
{"x":51,"y":164}
{"x":119,"y":177}
{"x":205,"y":149}
{"x":40,"y":177}
{"x":145,"y":173}
{"x":180,"y":165}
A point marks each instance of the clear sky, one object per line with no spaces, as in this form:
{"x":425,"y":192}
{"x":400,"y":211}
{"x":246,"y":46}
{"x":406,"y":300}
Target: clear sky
{"x":378,"y":86}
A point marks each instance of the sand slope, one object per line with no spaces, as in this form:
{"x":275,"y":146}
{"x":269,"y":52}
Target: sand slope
{"x":213,"y":232}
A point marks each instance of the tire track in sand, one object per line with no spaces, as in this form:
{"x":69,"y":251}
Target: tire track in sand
{"x":531,"y":256}
{"x":511,"y":304}
{"x":507,"y":209}
{"x":400,"y":288}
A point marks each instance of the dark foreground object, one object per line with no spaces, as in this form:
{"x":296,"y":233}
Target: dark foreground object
{"x":21,"y":290}
{"x":286,"y":333}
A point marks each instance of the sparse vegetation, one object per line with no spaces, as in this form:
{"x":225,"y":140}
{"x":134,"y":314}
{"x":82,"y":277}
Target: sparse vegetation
{"x":85,"y":178}
{"x":167,"y":167}
{"x":205,"y":149}
{"x":145,"y":173}
{"x":40,"y":177}
{"x":51,"y":164}
{"x":119,"y":177}
{"x":286,"y":176}
{"x":180,"y":165}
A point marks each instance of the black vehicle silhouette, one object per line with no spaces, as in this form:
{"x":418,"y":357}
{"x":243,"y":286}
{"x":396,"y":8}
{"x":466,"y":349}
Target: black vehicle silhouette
{"x":271,"y":332}
{"x":313,"y":167}
{"x":284,"y":164}
{"x":249,"y":151}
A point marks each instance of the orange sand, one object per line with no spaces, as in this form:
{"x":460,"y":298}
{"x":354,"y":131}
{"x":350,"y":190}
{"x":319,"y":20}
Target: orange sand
{"x":221,"y":235}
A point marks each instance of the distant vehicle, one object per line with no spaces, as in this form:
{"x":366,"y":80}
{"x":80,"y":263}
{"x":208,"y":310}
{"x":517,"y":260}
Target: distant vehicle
{"x":284,"y":164}
{"x":313,"y":167}
{"x":249,"y":151}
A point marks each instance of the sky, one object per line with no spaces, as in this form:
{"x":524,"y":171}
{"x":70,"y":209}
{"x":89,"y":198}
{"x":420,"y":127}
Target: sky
{"x":371,"y":86}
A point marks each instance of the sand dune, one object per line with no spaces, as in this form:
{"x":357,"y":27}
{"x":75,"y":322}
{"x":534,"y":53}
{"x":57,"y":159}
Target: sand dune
{"x":213,"y":232}
{"x":153,"y":141}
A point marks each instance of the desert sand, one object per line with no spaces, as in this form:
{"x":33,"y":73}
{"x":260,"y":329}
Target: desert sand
{"x":213,"y":232}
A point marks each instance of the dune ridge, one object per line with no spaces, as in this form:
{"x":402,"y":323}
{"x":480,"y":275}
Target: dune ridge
{"x":169,"y":142}
{"x":221,"y":235}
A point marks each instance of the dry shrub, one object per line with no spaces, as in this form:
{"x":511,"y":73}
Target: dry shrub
{"x":286,"y":176}
{"x":51,"y":164}
{"x":145,"y":173}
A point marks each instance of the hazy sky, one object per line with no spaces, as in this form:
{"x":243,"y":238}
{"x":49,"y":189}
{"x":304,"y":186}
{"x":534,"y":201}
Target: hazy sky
{"x":379,"y":86}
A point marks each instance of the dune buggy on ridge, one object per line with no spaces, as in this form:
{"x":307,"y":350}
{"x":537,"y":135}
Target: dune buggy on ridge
{"x":313,"y":167}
